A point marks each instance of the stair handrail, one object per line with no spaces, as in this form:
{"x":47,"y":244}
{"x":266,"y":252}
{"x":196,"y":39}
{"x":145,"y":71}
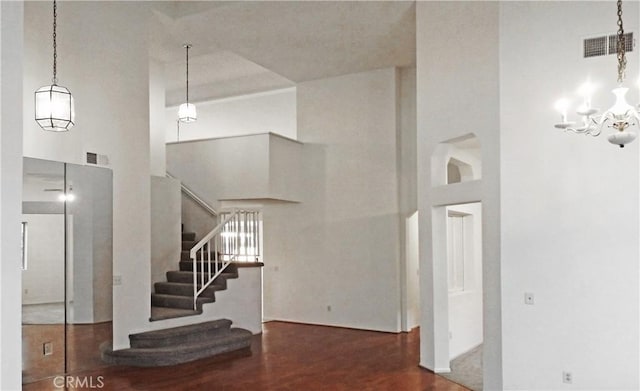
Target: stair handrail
{"x":219,"y":265}
{"x":186,"y":190}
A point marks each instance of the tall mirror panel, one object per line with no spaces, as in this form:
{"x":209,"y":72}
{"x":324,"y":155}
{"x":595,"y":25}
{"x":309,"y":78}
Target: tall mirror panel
{"x":67,"y":269}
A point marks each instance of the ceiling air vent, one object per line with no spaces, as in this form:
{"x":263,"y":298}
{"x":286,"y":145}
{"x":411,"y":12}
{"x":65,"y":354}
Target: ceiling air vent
{"x":601,"y":46}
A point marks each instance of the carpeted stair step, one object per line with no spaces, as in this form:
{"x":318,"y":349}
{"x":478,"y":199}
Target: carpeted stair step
{"x":174,"y":301}
{"x":185,"y":289}
{"x":185,"y":255}
{"x":188,"y":244}
{"x":186,"y":277}
{"x":231,"y":267}
{"x":233,"y":339}
{"x":189,"y":236}
{"x":187,"y":266}
{"x":180,"y":335}
{"x":162,"y":313}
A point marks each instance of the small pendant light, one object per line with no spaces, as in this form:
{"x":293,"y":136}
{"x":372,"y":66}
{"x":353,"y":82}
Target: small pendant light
{"x":187,"y":111}
{"x":54,"y":103}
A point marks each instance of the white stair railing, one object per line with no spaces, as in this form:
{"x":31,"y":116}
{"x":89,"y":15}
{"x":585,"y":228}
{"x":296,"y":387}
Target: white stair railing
{"x":242,"y":235}
{"x":191,"y":194}
{"x":236,"y":238}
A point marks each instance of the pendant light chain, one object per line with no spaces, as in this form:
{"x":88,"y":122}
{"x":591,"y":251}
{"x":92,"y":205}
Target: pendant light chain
{"x":622,"y":60}
{"x":187,"y":46}
{"x":55,"y":46}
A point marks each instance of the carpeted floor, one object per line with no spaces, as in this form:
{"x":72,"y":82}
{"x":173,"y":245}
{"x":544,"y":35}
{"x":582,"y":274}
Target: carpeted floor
{"x":467,"y":370}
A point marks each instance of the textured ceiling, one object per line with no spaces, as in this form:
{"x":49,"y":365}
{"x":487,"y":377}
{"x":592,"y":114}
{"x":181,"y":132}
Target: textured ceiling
{"x":242,"y":47}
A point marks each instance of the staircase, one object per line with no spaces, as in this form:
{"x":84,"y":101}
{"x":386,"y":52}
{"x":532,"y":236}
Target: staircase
{"x":174,"y":298}
{"x":179,"y":344}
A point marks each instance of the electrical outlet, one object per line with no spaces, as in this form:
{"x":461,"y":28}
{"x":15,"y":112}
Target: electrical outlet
{"x":329,"y":308}
{"x":47,"y":349}
{"x":567,"y":377}
{"x":529,"y":298}
{"x":117,"y":280}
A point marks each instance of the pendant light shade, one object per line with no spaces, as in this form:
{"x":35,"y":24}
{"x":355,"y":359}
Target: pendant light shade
{"x":54,"y":109}
{"x":187,"y":111}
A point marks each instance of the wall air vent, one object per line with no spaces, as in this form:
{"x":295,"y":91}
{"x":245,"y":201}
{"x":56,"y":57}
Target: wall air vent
{"x":99,"y":160}
{"x":628,"y":43}
{"x":594,"y":47}
{"x":92,"y":158}
{"x":601,"y":46}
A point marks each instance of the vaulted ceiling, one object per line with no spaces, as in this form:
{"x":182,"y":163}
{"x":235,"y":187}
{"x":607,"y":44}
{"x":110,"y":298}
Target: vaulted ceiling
{"x":243,"y":47}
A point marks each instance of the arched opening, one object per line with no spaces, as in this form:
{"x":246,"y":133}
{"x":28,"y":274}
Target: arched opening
{"x":457,"y":160}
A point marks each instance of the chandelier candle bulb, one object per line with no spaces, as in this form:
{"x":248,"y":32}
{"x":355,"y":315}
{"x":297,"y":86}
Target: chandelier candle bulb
{"x":586,"y":90}
{"x":619,"y":117}
{"x":562,"y":105}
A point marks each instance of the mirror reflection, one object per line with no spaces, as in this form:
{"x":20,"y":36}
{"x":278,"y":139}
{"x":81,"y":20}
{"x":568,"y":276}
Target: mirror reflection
{"x":67,"y":291}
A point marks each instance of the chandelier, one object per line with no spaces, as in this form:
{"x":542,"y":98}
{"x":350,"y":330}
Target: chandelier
{"x":187,"y":111}
{"x":619,"y":117}
{"x":54,"y":103}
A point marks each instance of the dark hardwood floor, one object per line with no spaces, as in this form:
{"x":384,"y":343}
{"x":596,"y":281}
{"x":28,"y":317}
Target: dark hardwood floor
{"x":83,"y":342}
{"x":286,"y":356}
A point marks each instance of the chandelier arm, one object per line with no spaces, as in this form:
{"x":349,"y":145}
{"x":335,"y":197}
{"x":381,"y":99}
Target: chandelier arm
{"x":591,"y":126}
{"x":620,"y":117}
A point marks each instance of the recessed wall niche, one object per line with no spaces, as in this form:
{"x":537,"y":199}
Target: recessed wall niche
{"x":457,"y":160}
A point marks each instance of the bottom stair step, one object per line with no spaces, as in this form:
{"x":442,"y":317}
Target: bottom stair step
{"x":233,"y":339}
{"x":174,"y":336}
{"x":161,"y":313}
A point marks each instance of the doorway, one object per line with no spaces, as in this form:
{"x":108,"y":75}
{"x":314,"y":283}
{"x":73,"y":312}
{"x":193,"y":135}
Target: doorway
{"x":67,"y":268}
{"x":464,"y":310}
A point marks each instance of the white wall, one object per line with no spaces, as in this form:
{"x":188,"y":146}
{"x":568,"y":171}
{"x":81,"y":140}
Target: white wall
{"x":340,"y":246}
{"x":271,"y":111}
{"x":157,"y":133}
{"x":166,"y":241}
{"x":103,"y":60}
{"x":458,"y":94}
{"x":465,"y":307}
{"x":241,"y":301}
{"x":11,"y":71}
{"x":43,"y":281}
{"x":261,"y":166}
{"x":412,"y":273}
{"x":407,"y":196}
{"x":90,"y":239}
{"x":570,"y":206}
{"x":195,"y":218}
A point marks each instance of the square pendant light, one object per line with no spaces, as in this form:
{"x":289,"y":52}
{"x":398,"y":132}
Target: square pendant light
{"x":54,"y":108}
